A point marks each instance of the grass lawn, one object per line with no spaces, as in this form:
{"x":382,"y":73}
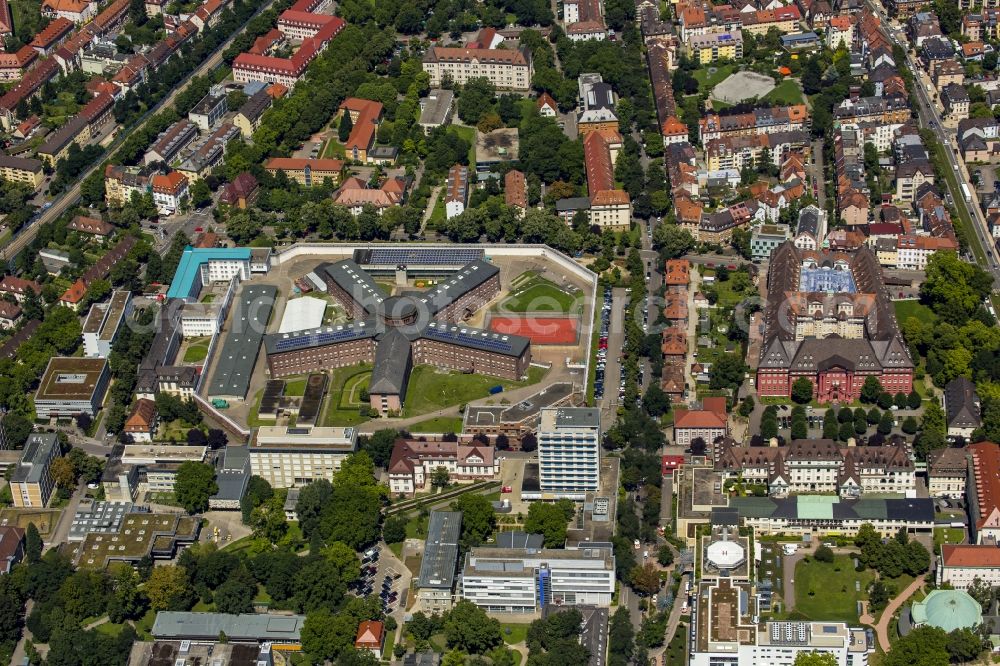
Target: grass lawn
{"x":144,"y":625}
{"x":438,"y":214}
{"x":787,"y":92}
{"x":674,"y":654}
{"x":438,"y":424}
{"x":907,"y":309}
{"x":537,"y":294}
{"x":253,"y":420}
{"x":430,"y":390}
{"x":469,"y":134}
{"x":295,"y":387}
{"x":514,"y":633}
{"x":339,"y":411}
{"x":416,"y":528}
{"x":827,"y":591}
{"x":333,"y":148}
{"x":943,"y":535}
{"x":195,"y":353}
{"x":708,"y":79}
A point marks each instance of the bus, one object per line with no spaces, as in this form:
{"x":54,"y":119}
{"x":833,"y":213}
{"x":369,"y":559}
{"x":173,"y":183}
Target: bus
{"x":966,"y":193}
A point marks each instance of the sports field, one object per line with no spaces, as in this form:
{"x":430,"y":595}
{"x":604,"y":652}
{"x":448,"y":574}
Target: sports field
{"x":541,"y":330}
{"x":532,"y":293}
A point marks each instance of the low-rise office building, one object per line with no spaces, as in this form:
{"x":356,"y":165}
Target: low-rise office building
{"x":72,"y":386}
{"x":437,"y":568}
{"x":960,"y":565}
{"x":103,"y":323}
{"x":523,"y":580}
{"x":286,"y":456}
{"x":31,"y":482}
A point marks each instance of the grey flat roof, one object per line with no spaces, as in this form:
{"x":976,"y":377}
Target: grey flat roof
{"x":434,"y":108}
{"x":37,"y":450}
{"x":577,"y":417}
{"x":462,"y":282}
{"x":240,"y":628}
{"x":437,"y":570}
{"x":241,"y":346}
{"x":232,"y":484}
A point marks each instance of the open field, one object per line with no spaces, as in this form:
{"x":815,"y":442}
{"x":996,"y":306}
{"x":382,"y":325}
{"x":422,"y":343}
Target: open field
{"x":948,"y":535}
{"x":195,"y":353}
{"x":829,"y":591}
{"x":787,"y":93}
{"x":533,"y":293}
{"x":44,"y":519}
{"x":907,"y":309}
{"x":338,"y":410}
{"x":443,"y":424}
{"x":469,"y":134}
{"x":430,"y":390}
{"x":707,"y":79}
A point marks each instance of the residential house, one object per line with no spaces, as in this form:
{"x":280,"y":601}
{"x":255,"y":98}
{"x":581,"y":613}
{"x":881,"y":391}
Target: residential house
{"x":947,"y":471}
{"x":962,"y":408}
{"x":242,"y":192}
{"x":456,"y":190}
{"x":365,"y":116}
{"x":142,"y":420}
{"x":413,"y":463}
{"x":170,"y":191}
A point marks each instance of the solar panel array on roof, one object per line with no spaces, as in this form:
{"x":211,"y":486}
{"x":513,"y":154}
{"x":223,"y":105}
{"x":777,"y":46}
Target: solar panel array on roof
{"x":511,"y":345}
{"x":325,"y":335}
{"x":422,"y":255}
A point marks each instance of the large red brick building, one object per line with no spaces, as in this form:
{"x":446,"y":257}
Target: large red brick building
{"x":828,"y":318}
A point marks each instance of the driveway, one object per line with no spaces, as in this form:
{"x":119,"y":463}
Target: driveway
{"x":788,"y":574}
{"x":882,"y":628}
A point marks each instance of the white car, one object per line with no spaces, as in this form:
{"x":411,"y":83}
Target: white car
{"x":637,"y":544}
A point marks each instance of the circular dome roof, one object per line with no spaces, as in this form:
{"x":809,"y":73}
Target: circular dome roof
{"x":948,"y":610}
{"x":725,"y":554}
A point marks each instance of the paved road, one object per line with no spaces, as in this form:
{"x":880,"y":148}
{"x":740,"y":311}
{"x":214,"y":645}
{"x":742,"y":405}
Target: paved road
{"x":69,"y":197}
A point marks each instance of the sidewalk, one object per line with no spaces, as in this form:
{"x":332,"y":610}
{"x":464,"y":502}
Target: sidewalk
{"x":882,"y":628}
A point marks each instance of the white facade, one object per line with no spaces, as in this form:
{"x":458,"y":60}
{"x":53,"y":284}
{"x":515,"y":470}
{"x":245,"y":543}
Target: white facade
{"x":959,"y":566}
{"x":171,"y":200}
{"x":224,"y":270}
{"x":102,"y":324}
{"x":507,"y":580}
{"x":289,"y":457}
{"x":569,"y":450}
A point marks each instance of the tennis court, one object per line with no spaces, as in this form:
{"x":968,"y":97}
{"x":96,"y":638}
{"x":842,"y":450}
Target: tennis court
{"x":541,"y":330}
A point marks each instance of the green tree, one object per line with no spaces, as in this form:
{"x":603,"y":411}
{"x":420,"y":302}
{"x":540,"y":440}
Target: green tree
{"x":913,"y":401}
{"x":440,"y":477}
{"x":550,"y":520}
{"x":815,"y":659}
{"x":954,"y":289}
{"x":478,"y":518}
{"x":32,"y":544}
{"x":394,"y":529}
{"x":924,"y":646}
{"x":325,"y":635}
{"x":167,"y":588}
{"x":746,"y":407}
{"x":728,"y":372}
{"x":802,"y":390}
{"x":645,"y":579}
{"x":870,"y":390}
{"x":194,"y":485}
{"x":345,"y":127}
{"x":824,"y":554}
{"x":909,"y":425}
{"x":932,"y":430}
{"x":830,"y":425}
{"x":665,"y":555}
{"x":475,"y":99}
{"x":468,"y":628}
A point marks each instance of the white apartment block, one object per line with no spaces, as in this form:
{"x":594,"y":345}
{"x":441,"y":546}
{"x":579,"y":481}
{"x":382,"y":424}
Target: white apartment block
{"x":101,"y":327}
{"x":569,"y":450}
{"x":960,"y":565}
{"x":224,"y":270}
{"x":505,"y":68}
{"x":514,"y":580}
{"x":288,"y":457}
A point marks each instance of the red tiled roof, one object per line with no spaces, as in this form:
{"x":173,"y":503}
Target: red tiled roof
{"x":297,"y":163}
{"x":987,"y":556}
{"x":363,"y":131}
{"x":52,"y":33}
{"x":143,"y":416}
{"x":699,"y":418}
{"x":986,"y":473}
{"x":515,"y":189}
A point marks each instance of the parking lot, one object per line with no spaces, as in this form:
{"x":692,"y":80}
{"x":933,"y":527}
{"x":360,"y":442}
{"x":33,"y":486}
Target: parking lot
{"x":602,"y":345}
{"x":379,"y":578}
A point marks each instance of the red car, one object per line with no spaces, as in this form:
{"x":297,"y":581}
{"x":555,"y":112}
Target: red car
{"x":506,"y":489}
{"x":198,"y":230}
